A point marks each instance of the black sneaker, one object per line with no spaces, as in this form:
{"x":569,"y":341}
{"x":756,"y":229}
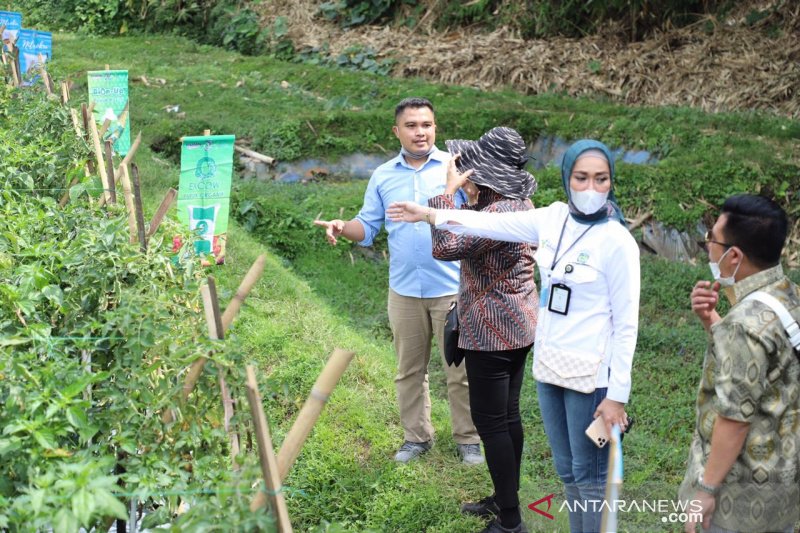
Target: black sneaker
{"x":485,"y":508}
{"x":495,"y":527}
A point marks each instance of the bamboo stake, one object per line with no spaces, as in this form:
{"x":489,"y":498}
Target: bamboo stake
{"x":16,"y":73}
{"x":46,"y":80}
{"x":85,"y":117}
{"x":65,"y":92}
{"x":76,"y":123}
{"x":196,"y":368}
{"x":129,"y":204}
{"x":49,"y":84}
{"x":132,"y":150}
{"x":308,"y":416}
{"x":98,"y":152}
{"x":244,"y":289}
{"x":137,"y":199}
{"x":109,"y":159}
{"x":253,"y":154}
{"x":65,"y":197}
{"x":158,"y":216}
{"x":266,"y":455}
{"x":327,"y":380}
{"x":215,"y":331}
{"x":104,"y":127}
{"x":211,"y":306}
{"x":228,"y":410}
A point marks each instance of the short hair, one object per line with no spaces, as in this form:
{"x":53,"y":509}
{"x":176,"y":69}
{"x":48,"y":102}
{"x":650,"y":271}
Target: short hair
{"x":413,"y":103}
{"x":758,"y":226}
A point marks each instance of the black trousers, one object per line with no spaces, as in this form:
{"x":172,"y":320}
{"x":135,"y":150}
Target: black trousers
{"x":495,"y":381}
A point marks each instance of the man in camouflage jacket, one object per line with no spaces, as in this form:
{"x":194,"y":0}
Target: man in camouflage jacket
{"x":743,"y":463}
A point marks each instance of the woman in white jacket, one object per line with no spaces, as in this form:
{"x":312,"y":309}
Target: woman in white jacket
{"x":588,"y":317}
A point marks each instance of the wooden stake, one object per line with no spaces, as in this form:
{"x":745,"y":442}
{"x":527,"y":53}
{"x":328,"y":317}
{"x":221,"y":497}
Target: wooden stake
{"x":137,"y":199}
{"x":65,"y":197}
{"x":308,"y":416}
{"x":211,"y":306}
{"x":49,"y":84}
{"x":65,"y":95}
{"x":215,"y":331}
{"x":266,"y":455}
{"x":104,"y":127}
{"x":253,"y":154}
{"x":98,"y":152}
{"x":127,"y":193}
{"x":228,"y":410}
{"x":327,"y":380}
{"x":109,"y":159}
{"x":158,"y":216}
{"x":132,"y":150}
{"x":244,"y":289}
{"x":76,"y":123}
{"x":16,"y":73}
{"x":85,"y":116}
{"x":196,"y":368}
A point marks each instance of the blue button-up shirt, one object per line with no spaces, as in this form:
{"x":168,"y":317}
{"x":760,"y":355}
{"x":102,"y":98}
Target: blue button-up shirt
{"x":412,"y":269}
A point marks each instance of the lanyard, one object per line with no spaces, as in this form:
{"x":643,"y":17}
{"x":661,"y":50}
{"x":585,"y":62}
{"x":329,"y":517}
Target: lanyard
{"x":558,"y":246}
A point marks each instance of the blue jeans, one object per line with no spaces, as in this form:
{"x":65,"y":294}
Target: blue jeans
{"x":580,"y":464}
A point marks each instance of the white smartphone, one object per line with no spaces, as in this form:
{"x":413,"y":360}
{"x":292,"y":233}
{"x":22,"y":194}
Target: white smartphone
{"x":597,"y":432}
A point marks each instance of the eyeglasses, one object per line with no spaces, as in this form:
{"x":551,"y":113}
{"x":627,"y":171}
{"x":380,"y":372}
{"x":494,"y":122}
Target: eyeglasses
{"x":709,"y":239}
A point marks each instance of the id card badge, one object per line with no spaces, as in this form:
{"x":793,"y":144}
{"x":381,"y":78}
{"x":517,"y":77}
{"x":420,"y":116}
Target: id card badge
{"x":559,"y":298}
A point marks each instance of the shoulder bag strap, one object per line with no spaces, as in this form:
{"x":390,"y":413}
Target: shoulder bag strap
{"x":788,"y":322}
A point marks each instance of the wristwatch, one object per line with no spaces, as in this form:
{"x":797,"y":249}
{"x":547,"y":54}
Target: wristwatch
{"x":708,"y":489}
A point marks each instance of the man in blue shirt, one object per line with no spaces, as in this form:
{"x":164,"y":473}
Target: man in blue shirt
{"x":421,"y":288}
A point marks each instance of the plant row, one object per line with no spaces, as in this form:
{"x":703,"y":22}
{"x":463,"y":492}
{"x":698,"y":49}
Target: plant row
{"x":94,"y":339}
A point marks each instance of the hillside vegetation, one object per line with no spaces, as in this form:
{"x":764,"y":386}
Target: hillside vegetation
{"x":314,"y":297}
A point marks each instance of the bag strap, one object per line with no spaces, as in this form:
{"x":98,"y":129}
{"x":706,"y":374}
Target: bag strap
{"x":788,"y":322}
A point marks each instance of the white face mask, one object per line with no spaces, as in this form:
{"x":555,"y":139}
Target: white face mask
{"x":589,"y":201}
{"x":726,"y":281}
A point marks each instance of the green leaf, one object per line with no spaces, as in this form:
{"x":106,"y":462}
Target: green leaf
{"x":45,"y":439}
{"x":76,"y":416}
{"x":77,"y":386}
{"x":108,"y":504}
{"x":37,"y":500}
{"x":9,"y":445}
{"x":83,"y":506}
{"x":65,"y":522}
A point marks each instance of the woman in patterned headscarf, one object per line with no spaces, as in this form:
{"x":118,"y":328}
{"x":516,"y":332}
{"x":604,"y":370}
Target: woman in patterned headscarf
{"x":497,"y":305}
{"x":588,"y":314}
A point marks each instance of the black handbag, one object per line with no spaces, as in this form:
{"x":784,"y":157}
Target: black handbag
{"x":452,"y":353}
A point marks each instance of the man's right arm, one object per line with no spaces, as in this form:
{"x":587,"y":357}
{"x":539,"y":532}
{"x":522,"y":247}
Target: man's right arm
{"x":352,"y":230}
{"x":367,"y":223}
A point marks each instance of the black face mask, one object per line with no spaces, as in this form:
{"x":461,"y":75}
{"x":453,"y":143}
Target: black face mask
{"x":408,"y":154}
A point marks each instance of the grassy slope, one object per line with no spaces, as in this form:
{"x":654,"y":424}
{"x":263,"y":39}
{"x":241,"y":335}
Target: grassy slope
{"x":301,"y":310}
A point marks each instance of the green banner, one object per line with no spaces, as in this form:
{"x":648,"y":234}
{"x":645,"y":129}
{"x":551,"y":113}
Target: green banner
{"x":205,"y":190}
{"x":108,"y":89}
